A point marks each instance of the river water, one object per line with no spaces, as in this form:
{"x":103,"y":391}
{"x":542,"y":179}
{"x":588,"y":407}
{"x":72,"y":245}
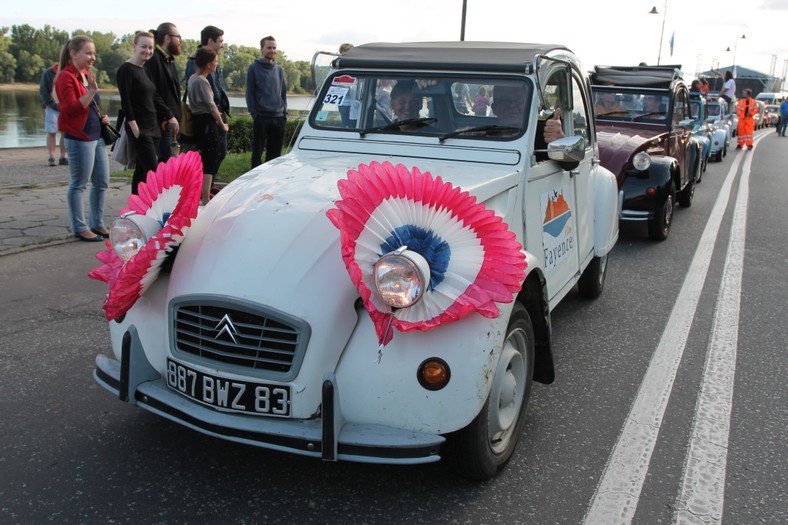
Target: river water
{"x":22,"y":117}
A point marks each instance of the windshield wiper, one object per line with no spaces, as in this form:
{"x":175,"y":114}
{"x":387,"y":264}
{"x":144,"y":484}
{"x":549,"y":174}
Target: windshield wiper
{"x":422,"y":121}
{"x":660,"y":116}
{"x":611,"y":113}
{"x":477,"y":129}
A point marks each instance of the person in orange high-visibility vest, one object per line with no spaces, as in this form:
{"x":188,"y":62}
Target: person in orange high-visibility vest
{"x":746,"y":108}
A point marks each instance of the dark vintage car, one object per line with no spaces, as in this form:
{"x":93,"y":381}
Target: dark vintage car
{"x":645,"y":133}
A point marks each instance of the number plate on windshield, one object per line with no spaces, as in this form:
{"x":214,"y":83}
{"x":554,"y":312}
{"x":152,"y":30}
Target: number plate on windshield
{"x":229,"y":395}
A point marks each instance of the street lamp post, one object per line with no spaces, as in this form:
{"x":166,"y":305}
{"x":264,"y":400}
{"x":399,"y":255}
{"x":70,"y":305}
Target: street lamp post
{"x":462,"y":24}
{"x":662,"y":33}
{"x":735,"y":45}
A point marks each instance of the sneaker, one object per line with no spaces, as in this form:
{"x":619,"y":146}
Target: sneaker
{"x":750,"y":147}
{"x":738,"y":147}
{"x":63,"y":161}
{"x":51,"y":161}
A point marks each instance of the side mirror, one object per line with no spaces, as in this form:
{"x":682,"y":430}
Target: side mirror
{"x":568,"y":151}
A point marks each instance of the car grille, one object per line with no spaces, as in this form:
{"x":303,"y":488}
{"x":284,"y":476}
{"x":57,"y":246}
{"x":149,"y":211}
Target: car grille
{"x":239,"y":336}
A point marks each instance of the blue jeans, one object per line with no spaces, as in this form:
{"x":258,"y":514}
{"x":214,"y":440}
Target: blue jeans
{"x":782,"y":125}
{"x":87,"y":161}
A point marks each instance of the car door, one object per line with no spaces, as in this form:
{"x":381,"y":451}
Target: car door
{"x":551,"y":193}
{"x":683,"y":152}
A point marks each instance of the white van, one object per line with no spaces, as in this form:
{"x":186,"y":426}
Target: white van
{"x":769,"y":98}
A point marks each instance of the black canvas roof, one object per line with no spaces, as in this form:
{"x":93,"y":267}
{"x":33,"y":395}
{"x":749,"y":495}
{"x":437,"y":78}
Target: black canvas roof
{"x":636,"y":76}
{"x":481,"y":56}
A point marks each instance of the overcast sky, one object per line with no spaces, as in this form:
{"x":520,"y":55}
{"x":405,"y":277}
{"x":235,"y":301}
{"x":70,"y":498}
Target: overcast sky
{"x":604,"y":32}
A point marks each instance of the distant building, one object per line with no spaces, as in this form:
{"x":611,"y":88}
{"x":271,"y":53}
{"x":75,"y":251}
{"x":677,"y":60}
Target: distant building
{"x":745,"y":78}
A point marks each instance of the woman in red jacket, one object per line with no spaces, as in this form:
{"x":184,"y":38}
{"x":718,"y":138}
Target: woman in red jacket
{"x":80,"y":121}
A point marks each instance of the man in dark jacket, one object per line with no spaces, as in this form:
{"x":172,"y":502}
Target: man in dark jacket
{"x":266,"y":99}
{"x":161,"y":70}
{"x":51,"y":110}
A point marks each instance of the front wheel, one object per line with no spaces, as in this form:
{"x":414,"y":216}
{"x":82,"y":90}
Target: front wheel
{"x":659,"y":226}
{"x":686,"y":195}
{"x":483,"y":448}
{"x":592,"y":281}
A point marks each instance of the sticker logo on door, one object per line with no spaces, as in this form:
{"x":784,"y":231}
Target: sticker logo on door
{"x":558,"y":237}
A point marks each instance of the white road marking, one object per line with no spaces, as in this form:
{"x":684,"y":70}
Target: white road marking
{"x":618,"y":492}
{"x":703,"y":486}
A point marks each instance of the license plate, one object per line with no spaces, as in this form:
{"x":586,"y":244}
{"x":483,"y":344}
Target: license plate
{"x":229,"y":395}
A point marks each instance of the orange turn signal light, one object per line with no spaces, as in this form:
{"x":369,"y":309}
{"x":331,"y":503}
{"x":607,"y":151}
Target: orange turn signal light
{"x":434,"y":373}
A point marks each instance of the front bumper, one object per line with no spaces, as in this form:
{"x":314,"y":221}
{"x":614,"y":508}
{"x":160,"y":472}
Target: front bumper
{"x":327,"y":436}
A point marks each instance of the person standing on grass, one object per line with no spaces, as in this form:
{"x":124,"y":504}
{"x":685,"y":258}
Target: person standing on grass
{"x":161,"y":70}
{"x":46,"y":90}
{"x":137,"y":93}
{"x":208,"y":124}
{"x":213,"y":38}
{"x":266,"y":99}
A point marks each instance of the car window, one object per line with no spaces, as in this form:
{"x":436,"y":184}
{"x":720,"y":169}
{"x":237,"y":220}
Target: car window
{"x":579,"y":114}
{"x":680,"y":107}
{"x":557,"y":94}
{"x":462,"y":107}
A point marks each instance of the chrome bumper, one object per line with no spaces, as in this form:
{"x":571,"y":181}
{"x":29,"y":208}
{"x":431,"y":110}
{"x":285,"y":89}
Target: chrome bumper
{"x":328,"y":436}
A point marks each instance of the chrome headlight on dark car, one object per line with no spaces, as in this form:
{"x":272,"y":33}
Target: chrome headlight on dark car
{"x":401,"y":277}
{"x":641,"y":161}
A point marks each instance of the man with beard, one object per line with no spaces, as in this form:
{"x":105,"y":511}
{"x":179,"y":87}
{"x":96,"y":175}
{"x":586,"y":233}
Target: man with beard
{"x":266,"y":100}
{"x":161,"y":70}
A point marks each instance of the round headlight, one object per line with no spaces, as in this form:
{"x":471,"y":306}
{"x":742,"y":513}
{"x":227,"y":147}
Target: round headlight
{"x":130,"y":232}
{"x":401,"y":277}
{"x":641,"y":161}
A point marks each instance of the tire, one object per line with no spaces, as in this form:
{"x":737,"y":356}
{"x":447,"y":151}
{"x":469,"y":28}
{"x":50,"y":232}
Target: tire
{"x":483,"y":448}
{"x":686,"y":195}
{"x":659,"y":226}
{"x":592,"y":282}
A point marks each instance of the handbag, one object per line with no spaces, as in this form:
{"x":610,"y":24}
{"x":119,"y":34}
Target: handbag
{"x":123,"y":151}
{"x":187,"y":122}
{"x":108,"y":133}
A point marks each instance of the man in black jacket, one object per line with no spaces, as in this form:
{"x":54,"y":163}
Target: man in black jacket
{"x":161,"y":70}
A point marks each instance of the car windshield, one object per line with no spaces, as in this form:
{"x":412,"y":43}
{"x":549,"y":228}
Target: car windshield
{"x":694,"y":109}
{"x":460,"y":107}
{"x":630,"y":105}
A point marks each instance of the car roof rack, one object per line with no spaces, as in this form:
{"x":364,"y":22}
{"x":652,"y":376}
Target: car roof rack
{"x":637,"y":76}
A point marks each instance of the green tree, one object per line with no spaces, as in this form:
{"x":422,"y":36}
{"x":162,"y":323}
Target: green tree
{"x":28,"y":67}
{"x":7,"y":67}
{"x":48,"y":43}
{"x":236,"y":63}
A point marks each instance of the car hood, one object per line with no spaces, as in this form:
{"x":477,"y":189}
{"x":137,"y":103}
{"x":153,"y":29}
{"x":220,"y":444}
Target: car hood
{"x":617,"y":145}
{"x":266,"y":237}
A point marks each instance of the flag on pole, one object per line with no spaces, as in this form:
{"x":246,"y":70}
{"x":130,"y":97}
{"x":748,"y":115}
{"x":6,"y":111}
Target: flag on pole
{"x":672,"y":40}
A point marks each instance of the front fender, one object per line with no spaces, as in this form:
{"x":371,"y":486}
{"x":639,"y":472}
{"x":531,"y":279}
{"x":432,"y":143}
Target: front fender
{"x":647,"y":190}
{"x":607,"y":208}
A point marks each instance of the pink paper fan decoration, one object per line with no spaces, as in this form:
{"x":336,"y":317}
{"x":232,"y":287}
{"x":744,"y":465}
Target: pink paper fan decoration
{"x":475,"y":261}
{"x":171,"y":196}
